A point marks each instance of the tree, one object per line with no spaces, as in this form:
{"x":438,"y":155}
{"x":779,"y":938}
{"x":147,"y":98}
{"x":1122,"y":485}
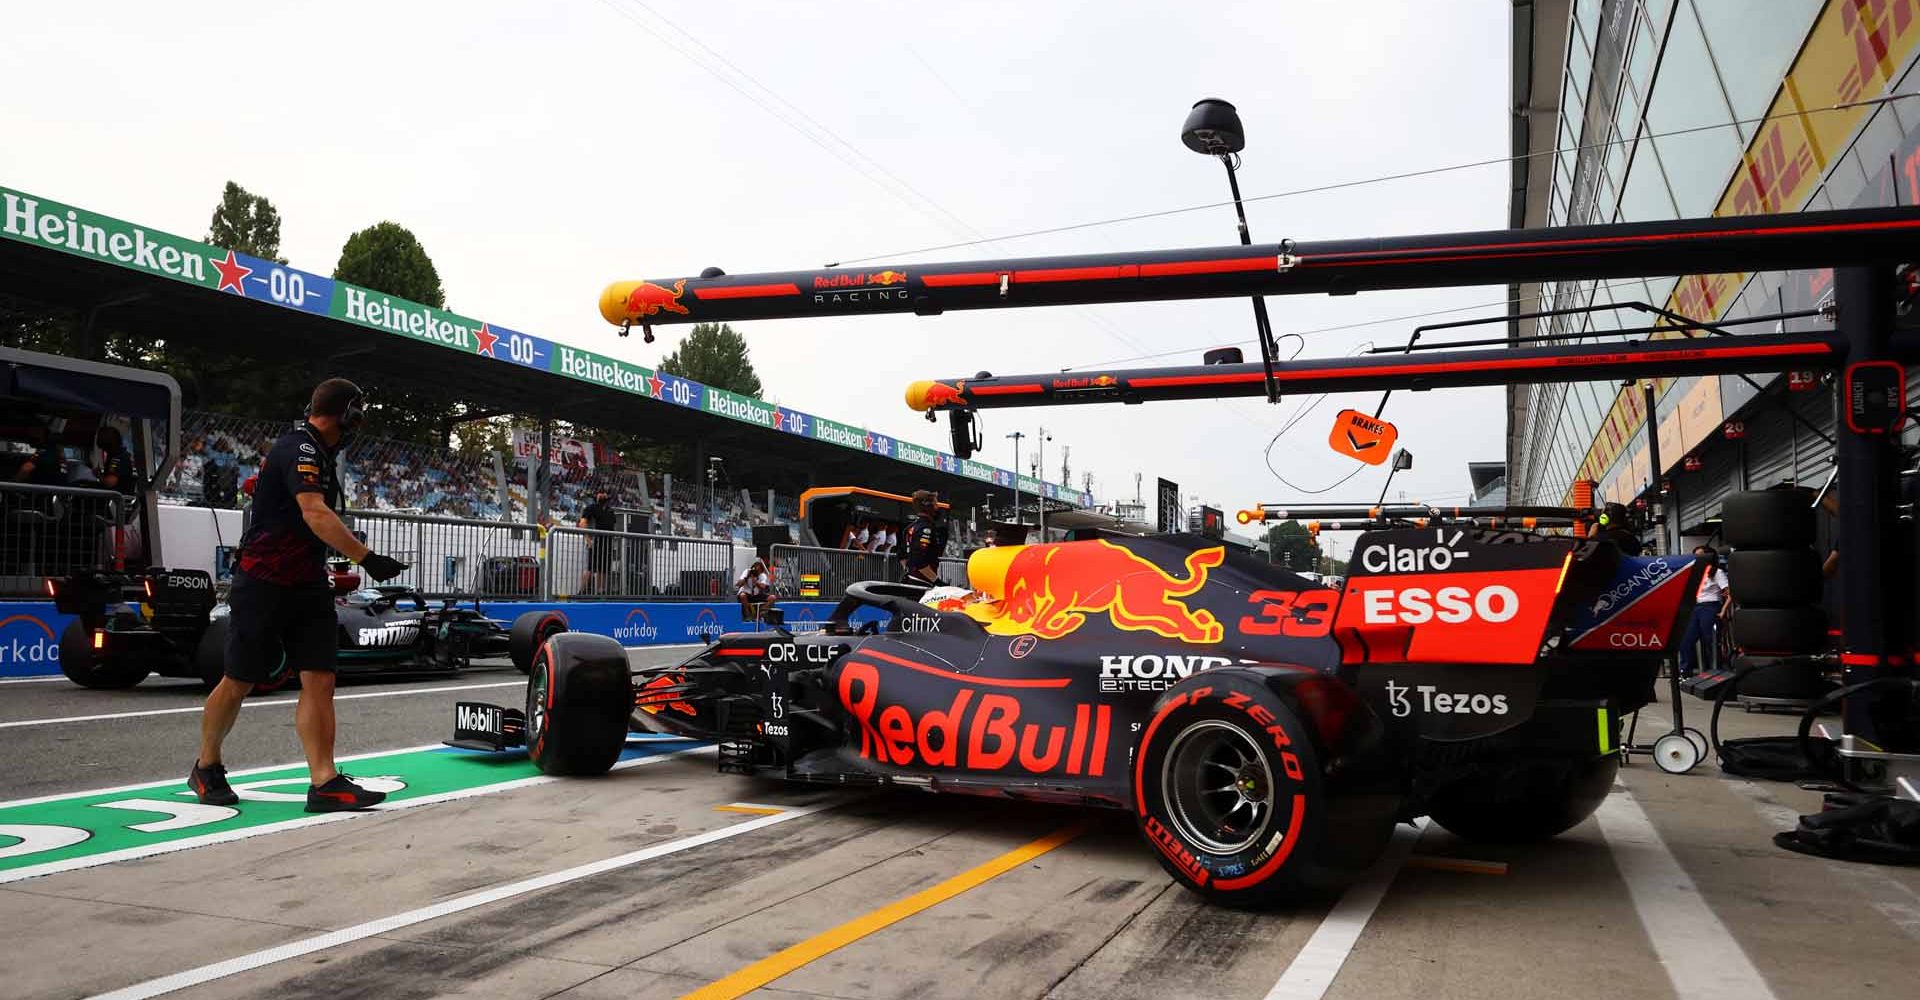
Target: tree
{"x":247,"y":223}
{"x":387,"y":258}
{"x":1291,"y":545}
{"x":713,"y":354}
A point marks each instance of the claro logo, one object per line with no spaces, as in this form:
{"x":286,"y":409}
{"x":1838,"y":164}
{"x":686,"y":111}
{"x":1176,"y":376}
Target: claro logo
{"x":1495,"y":603}
{"x":26,"y":641}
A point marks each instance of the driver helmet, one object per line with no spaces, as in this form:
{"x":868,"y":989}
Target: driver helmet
{"x":951,"y":598}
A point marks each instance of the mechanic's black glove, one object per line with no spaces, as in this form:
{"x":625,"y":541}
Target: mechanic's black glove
{"x":382,"y":568}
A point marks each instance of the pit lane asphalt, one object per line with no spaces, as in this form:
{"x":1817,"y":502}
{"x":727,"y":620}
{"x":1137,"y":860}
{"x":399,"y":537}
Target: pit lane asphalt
{"x":1095,"y":918}
{"x":62,"y":752}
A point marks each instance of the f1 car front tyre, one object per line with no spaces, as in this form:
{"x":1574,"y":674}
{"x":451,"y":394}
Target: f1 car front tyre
{"x":83,"y":667}
{"x":579,"y":694}
{"x":531,"y":631}
{"x":1230,"y":793}
{"x":1526,"y":802}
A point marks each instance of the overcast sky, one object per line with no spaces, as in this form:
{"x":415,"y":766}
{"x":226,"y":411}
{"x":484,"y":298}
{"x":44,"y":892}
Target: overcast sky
{"x":540,"y":151}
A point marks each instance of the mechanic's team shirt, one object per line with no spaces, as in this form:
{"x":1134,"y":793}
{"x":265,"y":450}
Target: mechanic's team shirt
{"x":926,"y":542}
{"x":120,"y":464}
{"x":600,"y":517}
{"x":1713,"y":586}
{"x":279,"y":547}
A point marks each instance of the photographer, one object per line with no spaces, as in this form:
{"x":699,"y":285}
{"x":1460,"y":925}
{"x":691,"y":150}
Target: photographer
{"x":282,"y":605}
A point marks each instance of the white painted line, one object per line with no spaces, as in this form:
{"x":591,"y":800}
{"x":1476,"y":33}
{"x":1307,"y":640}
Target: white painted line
{"x":459,"y":904}
{"x":263,"y":703}
{"x":1312,"y":970}
{"x":33,"y":680}
{"x":182,"y":781}
{"x":1699,"y":954}
{"x":168,"y":847}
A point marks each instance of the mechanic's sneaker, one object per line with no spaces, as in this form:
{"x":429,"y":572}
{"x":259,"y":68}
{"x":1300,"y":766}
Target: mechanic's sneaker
{"x":209,"y":784}
{"x":341,"y":795}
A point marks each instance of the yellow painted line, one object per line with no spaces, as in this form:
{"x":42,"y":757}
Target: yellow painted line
{"x":750,"y":809}
{"x":787,"y":960}
{"x":1438,"y":864}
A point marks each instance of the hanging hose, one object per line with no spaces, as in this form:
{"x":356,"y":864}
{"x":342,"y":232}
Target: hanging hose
{"x":1830,"y":766}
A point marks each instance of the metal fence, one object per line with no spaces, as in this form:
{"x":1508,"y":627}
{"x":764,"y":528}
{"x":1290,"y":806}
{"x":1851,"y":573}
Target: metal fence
{"x":55,"y":530}
{"x":953,"y":571}
{"x":448,"y":556}
{"x":582,"y":563}
{"x":795,"y":565}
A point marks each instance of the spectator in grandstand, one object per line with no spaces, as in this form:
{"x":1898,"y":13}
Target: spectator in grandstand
{"x":598,"y":516}
{"x":1712,"y":602}
{"x":281,"y":607}
{"x":925,"y":540}
{"x":116,"y":462}
{"x":755,"y":590}
{"x":885,"y":539}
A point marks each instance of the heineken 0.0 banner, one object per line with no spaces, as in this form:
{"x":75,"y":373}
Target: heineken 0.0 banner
{"x":54,"y":226}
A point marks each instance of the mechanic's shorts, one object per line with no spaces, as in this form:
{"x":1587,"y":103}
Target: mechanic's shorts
{"x":600,"y":555}
{"x":274,"y":626}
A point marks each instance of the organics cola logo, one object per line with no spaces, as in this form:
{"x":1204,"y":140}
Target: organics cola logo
{"x":27,"y":645}
{"x":636,"y":625}
{"x":1650,"y":573}
{"x":705,"y":625}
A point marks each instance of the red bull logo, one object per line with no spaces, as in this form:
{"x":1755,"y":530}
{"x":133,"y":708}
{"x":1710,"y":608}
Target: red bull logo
{"x":661,"y":694}
{"x":888,"y":277}
{"x":838,"y":281}
{"x":1049,"y":590}
{"x":649,"y":299}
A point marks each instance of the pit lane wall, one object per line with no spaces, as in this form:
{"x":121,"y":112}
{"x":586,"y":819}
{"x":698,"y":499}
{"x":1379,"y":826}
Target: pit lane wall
{"x":30,"y":630}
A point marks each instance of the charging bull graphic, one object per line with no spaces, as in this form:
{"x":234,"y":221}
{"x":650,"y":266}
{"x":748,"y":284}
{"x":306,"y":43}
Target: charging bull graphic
{"x":645,"y":299}
{"x":1048,"y":590}
{"x":662,"y":693}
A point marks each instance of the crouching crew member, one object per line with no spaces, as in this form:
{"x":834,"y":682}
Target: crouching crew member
{"x":282,"y":605}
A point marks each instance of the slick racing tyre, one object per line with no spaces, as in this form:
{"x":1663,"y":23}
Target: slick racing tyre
{"x":1229,"y":792}
{"x":78,"y":662}
{"x":1779,"y":631}
{"x":1776,"y":578}
{"x":1768,"y":519}
{"x":1526,"y":801}
{"x":579,"y":694}
{"x":530,"y":632}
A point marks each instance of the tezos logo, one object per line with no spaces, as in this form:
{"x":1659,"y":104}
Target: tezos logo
{"x":774,"y":729}
{"x":1433,"y":700}
{"x":1152,"y":672}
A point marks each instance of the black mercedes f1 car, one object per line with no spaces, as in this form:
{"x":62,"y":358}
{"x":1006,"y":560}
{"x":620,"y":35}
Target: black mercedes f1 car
{"x":170,"y":622}
{"x":1267,"y":733}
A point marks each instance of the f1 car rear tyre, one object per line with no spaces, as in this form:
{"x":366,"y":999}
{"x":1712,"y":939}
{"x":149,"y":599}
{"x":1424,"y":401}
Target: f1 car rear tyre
{"x":1779,"y":631}
{"x":579,"y":694}
{"x":530,"y":632}
{"x":1768,"y":519}
{"x":1775,"y":578}
{"x":82,"y":667}
{"x":210,"y":659}
{"x":1230,"y":793}
{"x":1526,"y":801}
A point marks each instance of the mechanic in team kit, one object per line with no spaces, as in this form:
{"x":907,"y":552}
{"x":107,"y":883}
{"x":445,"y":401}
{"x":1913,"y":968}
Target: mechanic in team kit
{"x":925,"y":539}
{"x":282,"y":603}
{"x":116,"y":462}
{"x":598,"y":516}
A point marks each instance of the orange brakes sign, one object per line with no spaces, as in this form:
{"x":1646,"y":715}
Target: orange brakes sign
{"x":1357,"y":435}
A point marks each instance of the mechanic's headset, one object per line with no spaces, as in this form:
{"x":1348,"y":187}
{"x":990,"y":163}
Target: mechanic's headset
{"x":353,"y":416}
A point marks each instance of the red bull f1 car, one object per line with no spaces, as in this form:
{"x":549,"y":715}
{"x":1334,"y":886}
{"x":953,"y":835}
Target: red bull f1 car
{"x":1266,"y":732}
{"x":170,"y":622}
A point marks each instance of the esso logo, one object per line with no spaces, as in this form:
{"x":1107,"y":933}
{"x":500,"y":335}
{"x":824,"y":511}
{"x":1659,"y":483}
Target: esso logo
{"x":1494,"y":604}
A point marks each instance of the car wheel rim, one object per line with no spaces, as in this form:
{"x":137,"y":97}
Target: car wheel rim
{"x":537,"y":705}
{"x":1218,"y":787}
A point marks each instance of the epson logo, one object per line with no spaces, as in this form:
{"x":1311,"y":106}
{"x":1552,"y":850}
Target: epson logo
{"x":1152,"y":671}
{"x":477,"y":718}
{"x":188,"y":582}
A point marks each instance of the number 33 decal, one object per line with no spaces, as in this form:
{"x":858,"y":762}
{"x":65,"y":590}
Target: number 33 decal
{"x":1307,"y":615}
